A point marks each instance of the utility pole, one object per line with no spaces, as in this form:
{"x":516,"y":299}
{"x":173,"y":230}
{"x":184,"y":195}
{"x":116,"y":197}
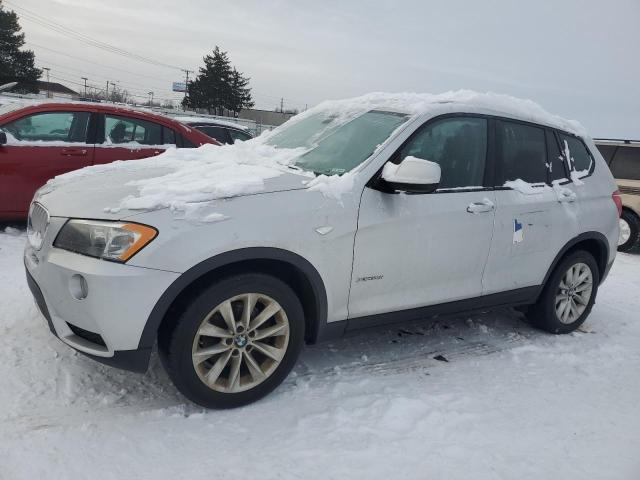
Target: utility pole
{"x":150,"y":99}
{"x":85,"y":86}
{"x":47,"y":70}
{"x":106,"y":94}
{"x":186,"y":86}
{"x":281,"y":105}
{"x":113,"y":90}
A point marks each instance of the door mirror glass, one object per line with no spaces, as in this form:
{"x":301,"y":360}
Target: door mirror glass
{"x":413,"y":175}
{"x":3,"y":138}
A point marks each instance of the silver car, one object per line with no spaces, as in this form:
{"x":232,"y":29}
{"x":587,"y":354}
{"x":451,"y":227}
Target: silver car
{"x":356,"y":213}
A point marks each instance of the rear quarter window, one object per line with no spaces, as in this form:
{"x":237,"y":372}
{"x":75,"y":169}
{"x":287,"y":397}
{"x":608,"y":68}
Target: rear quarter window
{"x":579,"y":157}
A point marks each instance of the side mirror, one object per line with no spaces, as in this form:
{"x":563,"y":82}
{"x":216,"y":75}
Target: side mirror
{"x":413,"y":175}
{"x":3,"y":138}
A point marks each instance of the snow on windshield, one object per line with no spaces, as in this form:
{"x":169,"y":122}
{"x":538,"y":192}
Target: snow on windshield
{"x":213,"y":172}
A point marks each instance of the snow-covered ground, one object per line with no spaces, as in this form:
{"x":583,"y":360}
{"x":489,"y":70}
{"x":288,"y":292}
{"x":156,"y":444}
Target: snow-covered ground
{"x":510,"y":403}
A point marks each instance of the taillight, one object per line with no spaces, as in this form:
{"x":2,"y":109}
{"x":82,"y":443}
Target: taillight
{"x":617,"y":200}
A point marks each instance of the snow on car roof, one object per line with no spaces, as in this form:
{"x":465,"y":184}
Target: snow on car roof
{"x":422,"y":103}
{"x":207,"y":120}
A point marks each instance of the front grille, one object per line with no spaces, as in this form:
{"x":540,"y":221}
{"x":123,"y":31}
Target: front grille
{"x":37,"y":225}
{"x":629,"y":190}
{"x":87,"y":335}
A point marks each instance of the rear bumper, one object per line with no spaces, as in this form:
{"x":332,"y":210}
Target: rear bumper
{"x":133,"y":360}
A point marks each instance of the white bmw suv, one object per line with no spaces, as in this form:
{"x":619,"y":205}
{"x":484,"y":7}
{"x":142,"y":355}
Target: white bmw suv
{"x":358,"y":212}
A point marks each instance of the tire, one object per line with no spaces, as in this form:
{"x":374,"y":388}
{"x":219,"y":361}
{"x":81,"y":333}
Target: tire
{"x":247,"y":365}
{"x":550,"y":312}
{"x":631,"y":221}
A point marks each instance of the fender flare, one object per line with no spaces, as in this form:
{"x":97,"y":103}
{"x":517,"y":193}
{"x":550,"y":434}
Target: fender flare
{"x":149,"y":333}
{"x":599,"y":237}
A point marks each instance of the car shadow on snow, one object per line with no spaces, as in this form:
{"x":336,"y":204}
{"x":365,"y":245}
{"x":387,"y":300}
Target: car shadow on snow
{"x":419,"y":345}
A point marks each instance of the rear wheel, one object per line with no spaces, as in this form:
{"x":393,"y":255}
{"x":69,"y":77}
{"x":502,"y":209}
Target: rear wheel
{"x":568,"y":295}
{"x":235,"y":342}
{"x":629,"y":231}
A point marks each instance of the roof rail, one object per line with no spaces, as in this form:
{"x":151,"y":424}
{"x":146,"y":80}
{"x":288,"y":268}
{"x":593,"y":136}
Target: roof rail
{"x":615,"y":140}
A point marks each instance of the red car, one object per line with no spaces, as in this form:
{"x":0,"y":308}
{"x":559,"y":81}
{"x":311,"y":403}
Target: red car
{"x":41,"y":141}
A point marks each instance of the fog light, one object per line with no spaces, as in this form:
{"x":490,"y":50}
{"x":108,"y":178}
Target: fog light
{"x":78,"y":287}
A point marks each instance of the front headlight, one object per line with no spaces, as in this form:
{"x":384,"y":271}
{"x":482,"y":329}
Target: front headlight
{"x":114,"y":241}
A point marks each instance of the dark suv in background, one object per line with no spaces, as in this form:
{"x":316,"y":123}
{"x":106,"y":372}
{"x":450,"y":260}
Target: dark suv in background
{"x":623,"y":157}
{"x":222,"y":131}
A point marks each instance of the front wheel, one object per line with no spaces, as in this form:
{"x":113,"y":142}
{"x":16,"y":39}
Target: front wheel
{"x":235,"y":342}
{"x":568,"y":296}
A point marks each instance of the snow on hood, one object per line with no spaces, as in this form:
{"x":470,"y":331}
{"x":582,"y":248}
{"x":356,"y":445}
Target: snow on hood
{"x":182,"y":179}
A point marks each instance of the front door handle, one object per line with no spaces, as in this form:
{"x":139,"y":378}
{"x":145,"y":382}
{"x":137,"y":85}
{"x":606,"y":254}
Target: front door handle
{"x":74,"y":152}
{"x":485,"y":205}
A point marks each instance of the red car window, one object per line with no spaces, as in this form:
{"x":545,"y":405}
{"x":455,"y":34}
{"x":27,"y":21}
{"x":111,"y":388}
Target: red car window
{"x":50,"y":126}
{"x":120,"y":129}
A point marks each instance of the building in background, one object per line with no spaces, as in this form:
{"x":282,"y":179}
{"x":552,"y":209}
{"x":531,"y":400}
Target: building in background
{"x":265,"y":117}
{"x":57,"y":90}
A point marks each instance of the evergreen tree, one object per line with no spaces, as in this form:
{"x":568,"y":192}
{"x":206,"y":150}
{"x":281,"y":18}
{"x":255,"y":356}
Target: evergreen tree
{"x":240,"y":92}
{"x":219,"y":86}
{"x":16,"y":65}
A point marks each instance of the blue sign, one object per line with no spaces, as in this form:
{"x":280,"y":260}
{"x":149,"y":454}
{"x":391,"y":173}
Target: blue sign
{"x":179,"y":87}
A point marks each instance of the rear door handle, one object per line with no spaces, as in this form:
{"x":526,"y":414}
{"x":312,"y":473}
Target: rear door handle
{"x":75,"y":152}
{"x":485,"y":205}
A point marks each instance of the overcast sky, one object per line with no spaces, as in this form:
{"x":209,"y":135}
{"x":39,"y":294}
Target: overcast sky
{"x":576,"y":58}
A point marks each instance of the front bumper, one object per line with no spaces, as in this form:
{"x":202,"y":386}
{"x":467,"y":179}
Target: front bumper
{"x":107,"y":324}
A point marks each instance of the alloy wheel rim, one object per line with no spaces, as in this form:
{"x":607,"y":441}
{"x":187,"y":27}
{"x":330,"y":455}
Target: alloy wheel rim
{"x":625,"y":232}
{"x":240,"y":343}
{"x":574,"y":293}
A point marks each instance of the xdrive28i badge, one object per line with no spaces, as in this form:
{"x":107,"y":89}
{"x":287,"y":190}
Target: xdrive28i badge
{"x":369,"y":278}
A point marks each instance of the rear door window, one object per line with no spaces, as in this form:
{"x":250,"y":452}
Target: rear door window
{"x":522,"y":152}
{"x":120,"y":130}
{"x":626,"y":163}
{"x":580,"y":159}
{"x":50,"y":127}
{"x":168,"y":136}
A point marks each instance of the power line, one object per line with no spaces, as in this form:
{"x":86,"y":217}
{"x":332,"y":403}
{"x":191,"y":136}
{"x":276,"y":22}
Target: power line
{"x":95,"y":87}
{"x":128,"y":84}
{"x":42,"y":21}
{"x":31,"y":44}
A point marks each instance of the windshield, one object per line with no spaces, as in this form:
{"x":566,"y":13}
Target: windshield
{"x":335,"y":147}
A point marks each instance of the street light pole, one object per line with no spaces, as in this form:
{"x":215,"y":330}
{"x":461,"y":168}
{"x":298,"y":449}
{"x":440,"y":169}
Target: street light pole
{"x":186,"y":87}
{"x":85,"y":86}
{"x":48,"y":91}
